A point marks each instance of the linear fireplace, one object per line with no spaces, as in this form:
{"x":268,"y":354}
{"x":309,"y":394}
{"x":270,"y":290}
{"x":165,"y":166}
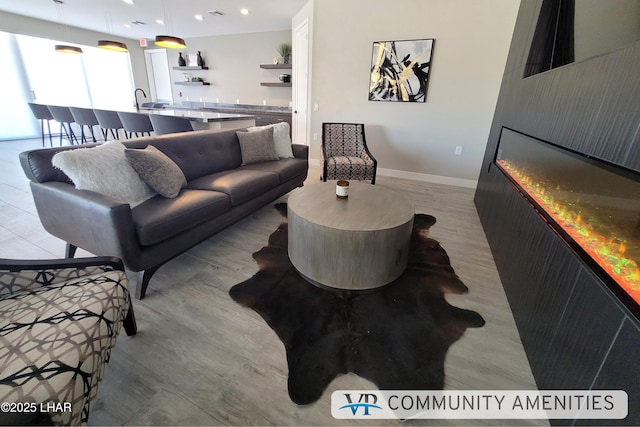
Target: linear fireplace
{"x":593,"y":205}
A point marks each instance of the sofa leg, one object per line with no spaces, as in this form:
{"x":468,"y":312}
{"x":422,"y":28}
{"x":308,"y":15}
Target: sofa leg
{"x":70,"y":250}
{"x":130,"y":325}
{"x":142,"y":279}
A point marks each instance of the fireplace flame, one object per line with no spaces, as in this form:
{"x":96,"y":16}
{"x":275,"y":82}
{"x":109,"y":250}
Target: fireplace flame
{"x":604,"y":247}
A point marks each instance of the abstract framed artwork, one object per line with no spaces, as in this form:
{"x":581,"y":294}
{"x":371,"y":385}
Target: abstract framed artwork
{"x":400,"y":70}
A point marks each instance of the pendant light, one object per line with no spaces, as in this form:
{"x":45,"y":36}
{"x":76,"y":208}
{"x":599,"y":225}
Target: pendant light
{"x":64,"y":48}
{"x":170,"y":42}
{"x":110,"y":44}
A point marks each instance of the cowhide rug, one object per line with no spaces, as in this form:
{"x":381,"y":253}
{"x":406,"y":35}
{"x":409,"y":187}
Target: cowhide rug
{"x":396,"y":336}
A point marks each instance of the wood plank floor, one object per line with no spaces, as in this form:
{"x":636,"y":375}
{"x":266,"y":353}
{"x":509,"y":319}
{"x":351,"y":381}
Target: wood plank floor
{"x":201,"y":359}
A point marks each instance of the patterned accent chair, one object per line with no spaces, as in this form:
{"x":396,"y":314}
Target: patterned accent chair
{"x":345,"y":153}
{"x":59,"y":320}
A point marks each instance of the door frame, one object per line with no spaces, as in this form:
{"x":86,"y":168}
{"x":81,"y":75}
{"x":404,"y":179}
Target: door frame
{"x":301,"y":73}
{"x":153,"y":95}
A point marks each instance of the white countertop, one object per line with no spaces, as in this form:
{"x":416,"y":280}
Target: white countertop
{"x":194,"y":115}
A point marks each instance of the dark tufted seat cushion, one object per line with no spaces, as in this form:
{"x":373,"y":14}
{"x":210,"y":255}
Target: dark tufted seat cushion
{"x":239,"y":185}
{"x":160,"y":218}
{"x":286,"y":169}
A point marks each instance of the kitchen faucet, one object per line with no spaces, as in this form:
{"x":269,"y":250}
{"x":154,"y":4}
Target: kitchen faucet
{"x":135,"y":95}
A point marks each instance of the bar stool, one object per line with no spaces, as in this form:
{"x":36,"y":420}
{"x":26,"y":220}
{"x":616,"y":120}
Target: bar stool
{"x":109,"y":122}
{"x":84,"y":117}
{"x":134,"y":123}
{"x":63,"y":116}
{"x":42,"y":113}
{"x":169,"y":124}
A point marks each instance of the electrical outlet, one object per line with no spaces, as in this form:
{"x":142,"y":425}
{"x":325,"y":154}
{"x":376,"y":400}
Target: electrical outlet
{"x":315,"y":107}
{"x":458,"y":150}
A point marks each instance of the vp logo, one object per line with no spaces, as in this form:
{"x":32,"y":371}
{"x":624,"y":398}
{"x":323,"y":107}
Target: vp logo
{"x":366,"y":401}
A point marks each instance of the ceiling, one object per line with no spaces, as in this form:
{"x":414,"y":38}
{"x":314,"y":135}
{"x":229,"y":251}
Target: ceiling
{"x":112,"y":16}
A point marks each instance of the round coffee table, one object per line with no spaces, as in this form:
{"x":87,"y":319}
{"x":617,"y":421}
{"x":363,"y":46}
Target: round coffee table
{"x":361,"y":242}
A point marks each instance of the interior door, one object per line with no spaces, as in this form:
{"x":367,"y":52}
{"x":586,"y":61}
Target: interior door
{"x":158,"y":75}
{"x":300,"y":133}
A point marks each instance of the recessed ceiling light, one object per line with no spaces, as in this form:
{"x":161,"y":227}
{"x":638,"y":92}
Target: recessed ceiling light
{"x":159,"y":21}
{"x":128,"y":1}
{"x":244,"y":11}
{"x":199,"y":17}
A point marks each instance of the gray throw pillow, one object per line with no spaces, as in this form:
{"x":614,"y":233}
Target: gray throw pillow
{"x":257,"y":146}
{"x":157,"y":170}
{"x":281,"y":138}
{"x":106,"y":170}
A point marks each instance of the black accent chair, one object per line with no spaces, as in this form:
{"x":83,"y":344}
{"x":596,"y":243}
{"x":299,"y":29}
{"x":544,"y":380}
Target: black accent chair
{"x":345,"y":153}
{"x":85,"y":117}
{"x":135,"y":123}
{"x":42,"y":113}
{"x":169,"y":124}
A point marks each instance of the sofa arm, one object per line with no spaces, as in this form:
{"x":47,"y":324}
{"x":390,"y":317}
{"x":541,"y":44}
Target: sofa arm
{"x":88,"y":220}
{"x":27,"y":275}
{"x":300,"y":151}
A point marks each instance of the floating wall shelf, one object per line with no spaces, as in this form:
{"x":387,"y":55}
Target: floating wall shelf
{"x":276,"y":84}
{"x":193,"y":83}
{"x":194,"y":67}
{"x":276,"y":66}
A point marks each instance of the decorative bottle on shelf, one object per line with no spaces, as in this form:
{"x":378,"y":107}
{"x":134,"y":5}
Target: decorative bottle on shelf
{"x":181,"y":61}
{"x":200,"y":60}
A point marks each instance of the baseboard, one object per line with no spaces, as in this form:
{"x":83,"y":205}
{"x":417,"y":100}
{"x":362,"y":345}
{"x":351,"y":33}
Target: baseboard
{"x":425,"y":177}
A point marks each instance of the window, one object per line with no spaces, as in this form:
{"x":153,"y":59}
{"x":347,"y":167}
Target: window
{"x":54,"y":78}
{"x":15,"y":116}
{"x":36,"y":73}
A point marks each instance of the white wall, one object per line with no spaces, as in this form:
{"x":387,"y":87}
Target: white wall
{"x":234,"y":69}
{"x":419,"y":139}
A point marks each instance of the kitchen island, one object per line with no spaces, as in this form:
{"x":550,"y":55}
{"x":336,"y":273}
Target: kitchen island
{"x":202,"y":119}
{"x":263,"y":114}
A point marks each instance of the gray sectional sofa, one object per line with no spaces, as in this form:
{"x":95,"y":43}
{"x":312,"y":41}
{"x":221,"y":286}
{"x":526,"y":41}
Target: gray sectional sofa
{"x":219,"y":191}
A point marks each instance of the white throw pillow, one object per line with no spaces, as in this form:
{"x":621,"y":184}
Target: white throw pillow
{"x":106,"y":170}
{"x":281,"y":138}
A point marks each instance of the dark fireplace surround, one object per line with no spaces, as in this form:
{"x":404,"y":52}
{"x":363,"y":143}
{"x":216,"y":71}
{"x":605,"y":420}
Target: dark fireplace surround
{"x":578,"y":320}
